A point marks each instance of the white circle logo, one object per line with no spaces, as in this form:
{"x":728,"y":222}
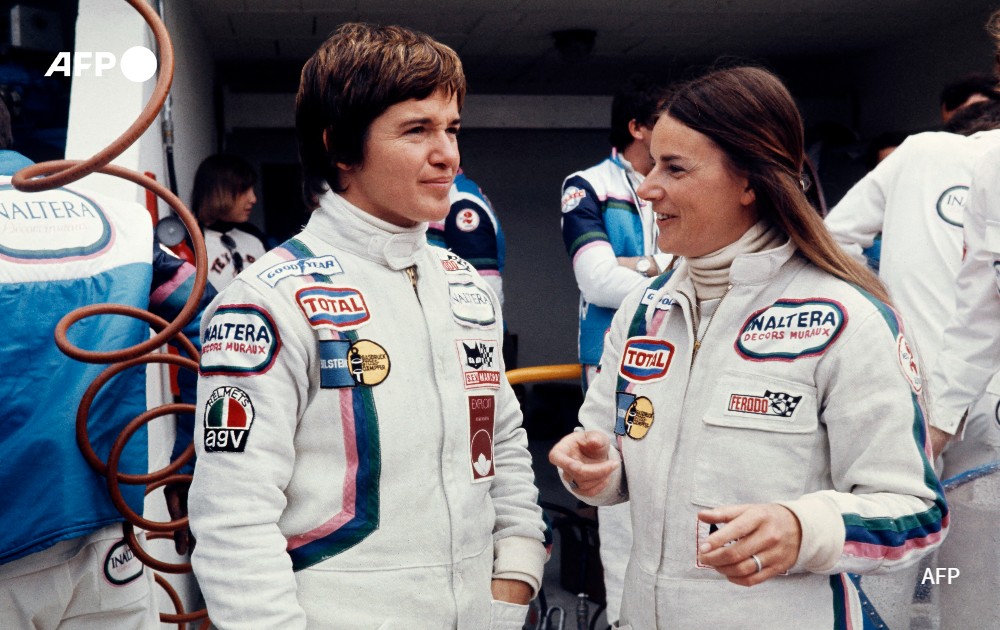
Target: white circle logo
{"x":138,"y":64}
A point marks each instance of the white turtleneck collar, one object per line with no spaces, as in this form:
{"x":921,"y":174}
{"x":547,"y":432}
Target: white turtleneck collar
{"x":710,"y":273}
{"x":343,"y":224}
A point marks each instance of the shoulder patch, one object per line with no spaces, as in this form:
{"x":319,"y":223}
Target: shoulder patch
{"x":467,"y":220}
{"x":471,"y":305}
{"x":645,"y":359}
{"x":908,"y":364}
{"x":326,"y":265}
{"x":950,"y":205}
{"x":791,"y":329}
{"x":229,"y":414}
{"x":337,"y":308}
{"x":571,"y":198}
{"x":239,"y":340}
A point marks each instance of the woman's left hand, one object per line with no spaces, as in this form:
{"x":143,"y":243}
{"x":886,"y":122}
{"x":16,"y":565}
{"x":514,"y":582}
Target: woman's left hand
{"x":766,"y":531}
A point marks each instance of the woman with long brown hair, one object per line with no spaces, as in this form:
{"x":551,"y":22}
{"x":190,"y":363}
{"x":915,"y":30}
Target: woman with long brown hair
{"x":758,"y":405}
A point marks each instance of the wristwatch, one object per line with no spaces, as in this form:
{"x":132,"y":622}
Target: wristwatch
{"x":643,"y":266}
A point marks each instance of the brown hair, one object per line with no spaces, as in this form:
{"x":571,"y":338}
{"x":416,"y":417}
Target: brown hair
{"x":354,"y":76}
{"x":750,"y":115}
{"x":220,"y":179}
{"x":993,"y":29}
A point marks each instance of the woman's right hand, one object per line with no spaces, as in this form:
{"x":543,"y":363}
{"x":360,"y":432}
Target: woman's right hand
{"x":582,"y":458}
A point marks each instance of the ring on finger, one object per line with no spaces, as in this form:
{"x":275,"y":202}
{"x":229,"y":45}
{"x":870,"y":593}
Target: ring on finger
{"x":756,"y":560}
{"x":573,"y":484}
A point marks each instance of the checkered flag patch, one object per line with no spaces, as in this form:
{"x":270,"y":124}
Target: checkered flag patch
{"x":782,"y":404}
{"x":487,"y":354}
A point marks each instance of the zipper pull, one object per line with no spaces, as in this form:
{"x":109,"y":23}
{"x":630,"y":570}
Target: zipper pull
{"x":411,"y":272}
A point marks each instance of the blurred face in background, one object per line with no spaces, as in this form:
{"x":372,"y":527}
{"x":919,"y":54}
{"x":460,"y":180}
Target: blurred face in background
{"x":239,"y":212}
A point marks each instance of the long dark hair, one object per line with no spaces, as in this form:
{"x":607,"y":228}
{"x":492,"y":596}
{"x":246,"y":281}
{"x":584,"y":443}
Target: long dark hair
{"x":219,"y":180}
{"x":750,"y":115}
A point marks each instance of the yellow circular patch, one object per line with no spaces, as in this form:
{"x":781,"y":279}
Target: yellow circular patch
{"x":639,"y":418}
{"x":368,"y":362}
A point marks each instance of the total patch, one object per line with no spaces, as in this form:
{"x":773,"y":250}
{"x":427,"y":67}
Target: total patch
{"x":645,"y":359}
{"x":121,"y":566}
{"x":229,"y":415}
{"x":482,"y":417}
{"x":51,"y":226}
{"x":471,"y":305}
{"x":453,"y":263}
{"x":326,"y":265}
{"x":951,"y":203}
{"x":571,"y":198}
{"x":773,"y":404}
{"x":908,"y":364}
{"x":467,"y":220}
{"x":368,"y":362}
{"x":480,"y":360}
{"x":791,"y":329}
{"x":662,"y":304}
{"x":336,"y":308}
{"x":239,"y":340}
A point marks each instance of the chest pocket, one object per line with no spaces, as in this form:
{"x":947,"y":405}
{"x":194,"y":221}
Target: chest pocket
{"x":759,"y":438}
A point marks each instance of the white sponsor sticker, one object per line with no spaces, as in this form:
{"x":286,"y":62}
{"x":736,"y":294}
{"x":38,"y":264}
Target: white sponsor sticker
{"x":467,"y":220}
{"x":51,"y":225}
{"x":239,"y":340}
{"x":471,"y":305}
{"x":121,"y":566}
{"x":572,"y":197}
{"x":325,"y":265}
{"x":791,"y":329}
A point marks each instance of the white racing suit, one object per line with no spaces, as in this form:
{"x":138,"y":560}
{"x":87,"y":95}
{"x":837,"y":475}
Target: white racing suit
{"x":804,"y":393}
{"x":361,"y":457}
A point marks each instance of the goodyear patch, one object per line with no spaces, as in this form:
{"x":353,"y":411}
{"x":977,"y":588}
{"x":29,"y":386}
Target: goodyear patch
{"x":121,"y":565}
{"x":239,"y":340}
{"x":480,"y":361}
{"x":662,"y":304}
{"x":482,"y":417}
{"x":467,"y":220}
{"x":326,"y":265}
{"x":229,"y":415}
{"x":453,"y":263}
{"x":645,"y":359}
{"x":471,"y":305}
{"x":51,"y":225}
{"x":908,"y":364}
{"x":791,"y":329}
{"x":336,"y":308}
{"x":951,"y":203}
{"x":773,"y":404}
{"x":571,"y":198}
{"x":334,"y":368}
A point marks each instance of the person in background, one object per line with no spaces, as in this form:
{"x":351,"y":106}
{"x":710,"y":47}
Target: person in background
{"x":758,"y":405}
{"x":610,"y":235}
{"x":914,"y":200}
{"x":472,"y":231}
{"x":972,"y":88}
{"x":222,"y":198}
{"x":63,"y":560}
{"x":359,"y":464}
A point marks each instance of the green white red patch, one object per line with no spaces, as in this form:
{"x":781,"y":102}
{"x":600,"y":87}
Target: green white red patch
{"x":229,"y":415}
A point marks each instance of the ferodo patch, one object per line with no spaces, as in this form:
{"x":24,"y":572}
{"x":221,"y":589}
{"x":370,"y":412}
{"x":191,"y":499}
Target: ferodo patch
{"x":336,"y":308}
{"x":645,"y":359}
{"x":240,"y":340}
{"x":791,"y":329}
{"x":229,"y":415}
{"x":471,"y":305}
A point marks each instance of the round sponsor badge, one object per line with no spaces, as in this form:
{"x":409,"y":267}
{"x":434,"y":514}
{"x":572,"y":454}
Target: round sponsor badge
{"x":467,"y":220}
{"x":120,"y":564}
{"x":571,"y":198}
{"x":908,"y":364}
{"x":950,"y":204}
{"x":368,"y":362}
{"x":639,"y":418}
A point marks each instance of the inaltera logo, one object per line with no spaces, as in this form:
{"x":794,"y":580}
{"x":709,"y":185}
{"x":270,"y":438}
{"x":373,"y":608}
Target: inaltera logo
{"x":138,"y":64}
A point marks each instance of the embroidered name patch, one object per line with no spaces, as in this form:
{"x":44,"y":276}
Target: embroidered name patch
{"x":791,"y":329}
{"x":326,"y":265}
{"x":467,"y":220}
{"x":51,"y":225}
{"x":240,"y":340}
{"x":908,"y":364}
{"x":645,"y":359}
{"x":471,"y":305}
{"x":337,"y":308}
{"x":228,"y":417}
{"x":482,"y":414}
{"x":120,"y":565}
{"x":480,"y":361}
{"x":571,"y":198}
{"x":664,"y":303}
{"x":775,"y":404}
{"x":951,"y":203}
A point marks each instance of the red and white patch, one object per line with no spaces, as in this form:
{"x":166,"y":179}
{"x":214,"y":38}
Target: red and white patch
{"x":645,"y":359}
{"x":467,"y":220}
{"x":482,"y":415}
{"x":337,"y":308}
{"x":908,"y":364}
{"x":480,"y":360}
{"x":571,"y":198}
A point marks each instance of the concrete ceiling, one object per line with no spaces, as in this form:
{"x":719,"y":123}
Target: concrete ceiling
{"x":507,"y":45}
